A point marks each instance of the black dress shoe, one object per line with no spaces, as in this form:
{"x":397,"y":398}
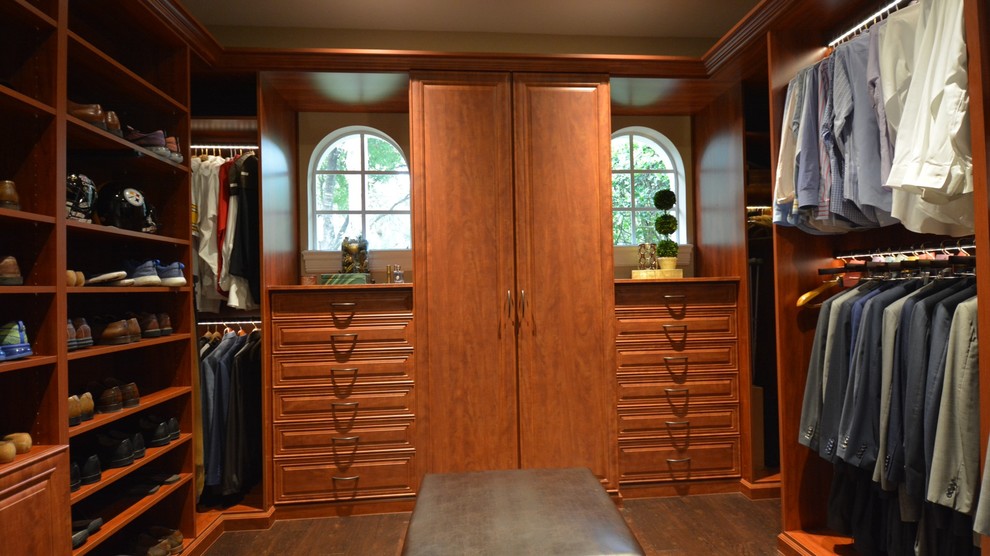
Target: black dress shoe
{"x":173,"y":428}
{"x":79,"y":537}
{"x":74,"y":481}
{"x":91,"y":472}
{"x":115,"y":452}
{"x":137,"y":441}
{"x":90,"y":525}
{"x":155,"y":431}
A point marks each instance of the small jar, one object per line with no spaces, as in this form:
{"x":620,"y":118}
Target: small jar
{"x":397,"y":276}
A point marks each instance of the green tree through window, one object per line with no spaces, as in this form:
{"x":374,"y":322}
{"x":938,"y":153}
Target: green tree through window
{"x":641,"y":166}
{"x":360,"y":186}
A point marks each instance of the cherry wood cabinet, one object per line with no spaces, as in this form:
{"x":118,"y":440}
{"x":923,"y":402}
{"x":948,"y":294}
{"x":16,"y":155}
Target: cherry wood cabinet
{"x":512,"y":216}
{"x":344,"y":393}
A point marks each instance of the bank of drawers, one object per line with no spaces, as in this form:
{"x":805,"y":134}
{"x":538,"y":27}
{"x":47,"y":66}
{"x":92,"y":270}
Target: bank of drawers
{"x":343,"y":394}
{"x":678,"y":381}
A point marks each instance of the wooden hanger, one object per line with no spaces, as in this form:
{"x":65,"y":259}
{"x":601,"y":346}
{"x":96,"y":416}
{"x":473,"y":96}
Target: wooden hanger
{"x":812,"y":294}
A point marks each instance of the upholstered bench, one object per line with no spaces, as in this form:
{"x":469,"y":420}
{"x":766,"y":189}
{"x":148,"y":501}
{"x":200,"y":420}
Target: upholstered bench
{"x":517,"y":512}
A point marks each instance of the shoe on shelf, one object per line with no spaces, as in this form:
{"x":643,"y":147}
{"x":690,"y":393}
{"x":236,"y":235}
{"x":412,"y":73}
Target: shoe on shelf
{"x":128,"y":391}
{"x":149,"y":325}
{"x":143,"y":273}
{"x":174,"y":154}
{"x":172,"y":274}
{"x":90,"y":113}
{"x":14,"y":341}
{"x":104,"y":278}
{"x":84,"y":334}
{"x":150,"y":139}
{"x":10,"y":273}
{"x":173,"y":536}
{"x":134,"y":329}
{"x":79,"y":538}
{"x":108,"y":399}
{"x":80,"y":278}
{"x":164,"y":478}
{"x":7,"y":451}
{"x":137,"y":441}
{"x":22,"y":441}
{"x":165,"y":323}
{"x":115,"y":452}
{"x":74,"y":481}
{"x":70,"y":278}
{"x":148,"y":546}
{"x":73,"y":343}
{"x":90,"y":471}
{"x":112,"y":123}
{"x":155,"y":431}
{"x":8,"y":195}
{"x":110,"y":331}
{"x":86,"y":406}
{"x":75,"y":410}
{"x":91,"y":525}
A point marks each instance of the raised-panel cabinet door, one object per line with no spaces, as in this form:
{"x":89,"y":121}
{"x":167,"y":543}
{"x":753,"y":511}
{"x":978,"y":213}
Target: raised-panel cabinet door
{"x":564,"y":270}
{"x":464,"y":274}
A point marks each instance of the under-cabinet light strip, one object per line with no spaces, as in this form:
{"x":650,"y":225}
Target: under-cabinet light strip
{"x":863,"y":23}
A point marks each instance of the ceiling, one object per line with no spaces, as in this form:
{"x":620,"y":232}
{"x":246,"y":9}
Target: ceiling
{"x":680,"y":19}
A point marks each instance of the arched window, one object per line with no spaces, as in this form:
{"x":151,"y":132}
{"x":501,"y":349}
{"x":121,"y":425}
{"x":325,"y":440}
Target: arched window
{"x":359,"y":185}
{"x":643,"y":162}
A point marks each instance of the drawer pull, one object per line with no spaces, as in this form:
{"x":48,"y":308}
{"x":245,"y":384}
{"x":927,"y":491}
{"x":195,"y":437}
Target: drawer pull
{"x":350,"y":370}
{"x":342,"y":305}
{"x":670,"y":297}
{"x":671,"y":358}
{"x":353,"y":404}
{"x":682,"y":460}
{"x":351,"y":478}
{"x":342,"y":336}
{"x":678,"y":423}
{"x":347,"y":439}
{"x":672,"y":391}
{"x":683,"y":327}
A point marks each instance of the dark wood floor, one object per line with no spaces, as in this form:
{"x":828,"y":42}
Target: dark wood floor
{"x":715,"y":524}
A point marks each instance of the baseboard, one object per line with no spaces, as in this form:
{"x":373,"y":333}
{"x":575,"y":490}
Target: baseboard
{"x":760,"y":490}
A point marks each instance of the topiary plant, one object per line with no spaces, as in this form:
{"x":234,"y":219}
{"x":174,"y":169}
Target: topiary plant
{"x":667,"y":248}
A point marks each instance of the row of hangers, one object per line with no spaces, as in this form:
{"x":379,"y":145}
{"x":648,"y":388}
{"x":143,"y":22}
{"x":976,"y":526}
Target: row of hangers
{"x":877,"y":17}
{"x":215,"y":332}
{"x":948,"y":259}
{"x":222,"y":151}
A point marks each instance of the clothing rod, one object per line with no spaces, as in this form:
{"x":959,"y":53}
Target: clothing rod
{"x":934,"y":249}
{"x":225,"y":322}
{"x":861,"y":24}
{"x":228,"y":147}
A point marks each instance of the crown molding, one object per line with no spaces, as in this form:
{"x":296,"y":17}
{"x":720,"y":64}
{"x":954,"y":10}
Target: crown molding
{"x":200,"y":41}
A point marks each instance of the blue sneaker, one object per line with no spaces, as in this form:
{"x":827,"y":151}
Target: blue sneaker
{"x":143,"y":274}
{"x":171,"y":274}
{"x":14,"y":341}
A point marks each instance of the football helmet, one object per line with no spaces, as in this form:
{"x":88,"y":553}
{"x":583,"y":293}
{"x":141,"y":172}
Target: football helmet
{"x":80,"y":198}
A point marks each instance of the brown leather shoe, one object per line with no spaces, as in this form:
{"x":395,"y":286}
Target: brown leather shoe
{"x":173,"y":536}
{"x":10,"y":273}
{"x":113,"y":333}
{"x":134,"y":329}
{"x":149,"y":325}
{"x":165,"y":324}
{"x":75,"y":410}
{"x":73,"y":343}
{"x":84,"y":334}
{"x":8,"y":195}
{"x":112,"y":123}
{"x":22,"y":441}
{"x":129,"y":394}
{"x":86,"y":406}
{"x":110,"y":400}
{"x":89,"y":113}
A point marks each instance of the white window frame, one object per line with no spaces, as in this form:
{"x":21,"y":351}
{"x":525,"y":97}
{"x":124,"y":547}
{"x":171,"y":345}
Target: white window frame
{"x":677,"y":175}
{"x":311,"y":174}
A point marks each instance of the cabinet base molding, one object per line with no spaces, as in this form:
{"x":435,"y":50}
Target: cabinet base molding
{"x":803,"y":543}
{"x":760,"y":490}
{"x":686,"y":488}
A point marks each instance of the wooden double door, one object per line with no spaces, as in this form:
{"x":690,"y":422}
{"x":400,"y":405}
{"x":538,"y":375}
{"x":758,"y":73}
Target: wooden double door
{"x":514,"y":272}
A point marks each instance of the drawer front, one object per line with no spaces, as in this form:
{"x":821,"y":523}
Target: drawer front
{"x":342,"y":305}
{"x":327,"y":438}
{"x":342,"y":344}
{"x":675,"y":298}
{"x":665,"y":462}
{"x":676,"y":365}
{"x":318,"y":479}
{"x":654,"y":325}
{"x":362,"y":368}
{"x":323,"y":403}
{"x":679,"y":396}
{"x":662,"y":423}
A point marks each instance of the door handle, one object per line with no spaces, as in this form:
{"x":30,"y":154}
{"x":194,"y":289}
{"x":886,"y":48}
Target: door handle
{"x":508,"y":301}
{"x":522,"y":303}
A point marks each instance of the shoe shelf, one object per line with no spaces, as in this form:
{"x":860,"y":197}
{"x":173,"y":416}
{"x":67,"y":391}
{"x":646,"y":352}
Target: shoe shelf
{"x":98,"y":350}
{"x":89,"y":65}
{"x":38,"y":452}
{"x":128,"y":289}
{"x":126,"y":512}
{"x":14,"y":215}
{"x":111,"y":476}
{"x":25,"y":13}
{"x":27,"y":290}
{"x":29,"y":362}
{"x":116,"y":233}
{"x":148,"y":401}
{"x":89,"y":142}
{"x":19,"y":103}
